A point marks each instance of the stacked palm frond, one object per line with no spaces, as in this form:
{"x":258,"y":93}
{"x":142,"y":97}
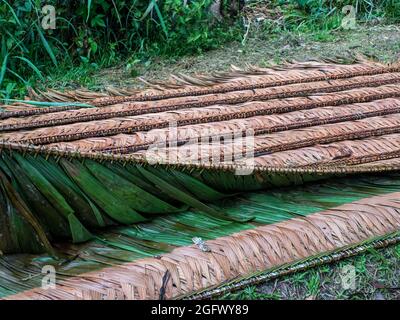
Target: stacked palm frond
{"x":68,"y":171}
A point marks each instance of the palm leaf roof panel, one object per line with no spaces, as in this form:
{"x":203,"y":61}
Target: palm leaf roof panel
{"x":104,"y":185}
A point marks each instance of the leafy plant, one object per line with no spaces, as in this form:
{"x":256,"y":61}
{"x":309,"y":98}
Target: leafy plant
{"x":326,"y":15}
{"x":98,"y":32}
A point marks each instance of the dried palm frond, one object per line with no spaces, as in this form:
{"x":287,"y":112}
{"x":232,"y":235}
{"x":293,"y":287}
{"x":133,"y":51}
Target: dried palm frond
{"x":307,"y":225}
{"x":192,"y":159}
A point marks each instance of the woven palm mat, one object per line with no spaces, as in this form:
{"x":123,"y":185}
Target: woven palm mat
{"x":205,"y":225}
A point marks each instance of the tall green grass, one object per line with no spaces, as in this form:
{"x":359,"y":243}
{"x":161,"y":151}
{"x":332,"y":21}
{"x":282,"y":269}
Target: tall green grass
{"x":98,"y":33}
{"x":317,"y":15}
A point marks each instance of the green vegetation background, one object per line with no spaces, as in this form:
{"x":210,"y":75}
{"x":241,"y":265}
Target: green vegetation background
{"x":95,"y":34}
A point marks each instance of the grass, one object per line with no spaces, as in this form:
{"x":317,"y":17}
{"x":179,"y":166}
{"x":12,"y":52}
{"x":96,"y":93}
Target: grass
{"x":377,"y":277}
{"x":98,"y":34}
{"x":378,"y":41}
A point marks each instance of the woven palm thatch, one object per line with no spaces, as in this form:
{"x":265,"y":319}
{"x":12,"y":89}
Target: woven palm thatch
{"x":109,"y":159}
{"x":232,"y":256}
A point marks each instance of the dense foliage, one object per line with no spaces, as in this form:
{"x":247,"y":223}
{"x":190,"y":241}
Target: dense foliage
{"x":306,"y":15}
{"x":105,"y":32}
{"x":99,"y":31}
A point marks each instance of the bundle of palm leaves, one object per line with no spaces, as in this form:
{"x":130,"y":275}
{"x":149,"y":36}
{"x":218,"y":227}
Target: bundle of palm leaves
{"x":249,"y":173}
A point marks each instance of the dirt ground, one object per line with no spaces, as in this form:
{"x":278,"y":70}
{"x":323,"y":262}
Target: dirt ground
{"x":380,"y":42}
